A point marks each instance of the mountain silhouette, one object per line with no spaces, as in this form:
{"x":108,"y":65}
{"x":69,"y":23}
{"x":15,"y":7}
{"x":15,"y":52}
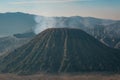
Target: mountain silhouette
{"x":61,"y":50}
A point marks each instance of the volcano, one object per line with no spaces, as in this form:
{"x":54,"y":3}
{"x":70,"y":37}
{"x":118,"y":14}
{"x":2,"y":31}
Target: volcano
{"x":61,"y":50}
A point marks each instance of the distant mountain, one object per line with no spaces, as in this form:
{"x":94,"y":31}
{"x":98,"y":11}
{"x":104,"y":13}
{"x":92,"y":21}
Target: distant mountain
{"x":61,"y":50}
{"x":12,"y":23}
{"x":8,"y":44}
{"x":79,"y":22}
{"x":108,"y":34}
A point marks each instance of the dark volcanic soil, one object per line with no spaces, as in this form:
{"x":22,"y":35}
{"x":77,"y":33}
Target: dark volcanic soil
{"x":62,"y":50}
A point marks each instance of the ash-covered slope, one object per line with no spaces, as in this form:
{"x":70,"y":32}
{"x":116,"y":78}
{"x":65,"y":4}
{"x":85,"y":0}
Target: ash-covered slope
{"x":59,"y":50}
{"x":9,"y":43}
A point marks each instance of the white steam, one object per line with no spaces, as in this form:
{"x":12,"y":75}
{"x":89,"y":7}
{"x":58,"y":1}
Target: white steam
{"x":55,"y":22}
{"x":44,"y":23}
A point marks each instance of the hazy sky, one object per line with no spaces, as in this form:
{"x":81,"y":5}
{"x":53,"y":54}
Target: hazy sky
{"x":96,"y":8}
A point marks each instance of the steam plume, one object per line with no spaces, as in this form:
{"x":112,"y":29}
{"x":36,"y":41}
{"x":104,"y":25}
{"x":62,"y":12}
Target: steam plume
{"x":44,"y":23}
{"x":55,"y":22}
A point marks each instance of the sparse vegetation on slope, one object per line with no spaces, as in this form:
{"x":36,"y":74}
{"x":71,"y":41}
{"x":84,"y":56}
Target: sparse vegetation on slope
{"x":87,"y":76}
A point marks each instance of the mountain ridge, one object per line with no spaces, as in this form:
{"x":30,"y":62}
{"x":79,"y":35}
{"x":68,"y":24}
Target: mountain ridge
{"x":77,"y":52}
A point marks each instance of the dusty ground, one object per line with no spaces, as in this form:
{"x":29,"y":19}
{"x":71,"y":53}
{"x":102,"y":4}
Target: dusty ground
{"x":61,"y":77}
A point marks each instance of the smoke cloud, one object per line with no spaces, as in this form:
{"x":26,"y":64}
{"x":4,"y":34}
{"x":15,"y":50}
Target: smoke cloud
{"x":56,"y":22}
{"x":44,"y":23}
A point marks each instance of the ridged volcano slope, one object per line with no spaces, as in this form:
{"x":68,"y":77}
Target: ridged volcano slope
{"x":59,"y":50}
